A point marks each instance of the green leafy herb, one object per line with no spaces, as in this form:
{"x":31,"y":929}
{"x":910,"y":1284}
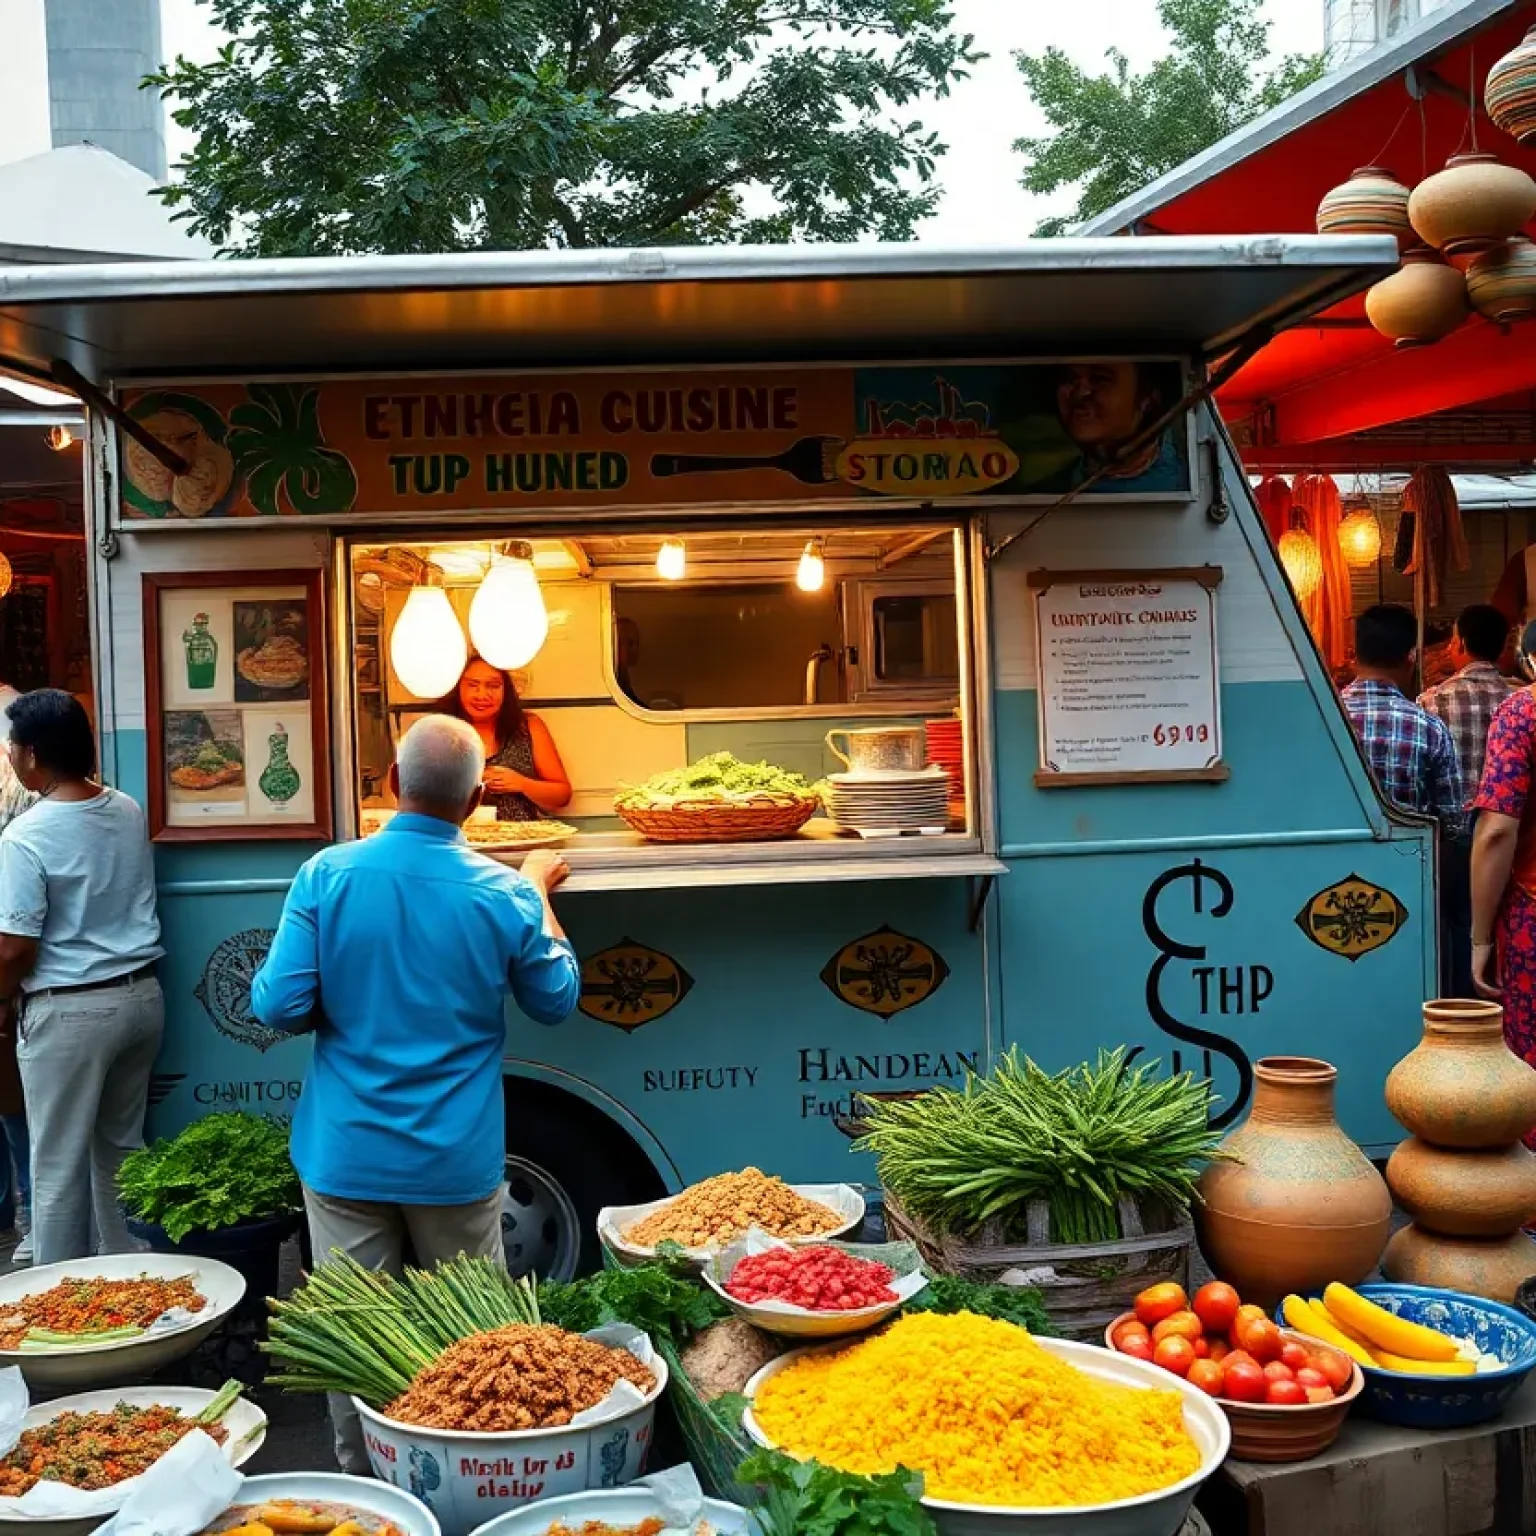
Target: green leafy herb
{"x":1017,"y":1304}
{"x":650,"y":1297}
{"x":804,"y":1498}
{"x":221,"y":1170}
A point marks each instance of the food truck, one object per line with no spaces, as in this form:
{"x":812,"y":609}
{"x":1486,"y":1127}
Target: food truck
{"x":955,"y":538}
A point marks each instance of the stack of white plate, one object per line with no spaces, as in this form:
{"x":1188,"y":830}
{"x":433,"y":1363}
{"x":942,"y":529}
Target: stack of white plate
{"x":889,"y":802}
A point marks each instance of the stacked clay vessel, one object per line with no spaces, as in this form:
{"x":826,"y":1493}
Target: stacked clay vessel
{"x":1464,"y":1175}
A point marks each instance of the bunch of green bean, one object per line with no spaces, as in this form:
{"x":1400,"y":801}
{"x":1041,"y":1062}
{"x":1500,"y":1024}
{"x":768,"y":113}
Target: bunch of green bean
{"x":959,"y":1160}
{"x":347,"y":1329}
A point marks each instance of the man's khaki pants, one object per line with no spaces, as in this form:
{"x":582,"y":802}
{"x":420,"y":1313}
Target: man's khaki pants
{"x":376,"y":1235}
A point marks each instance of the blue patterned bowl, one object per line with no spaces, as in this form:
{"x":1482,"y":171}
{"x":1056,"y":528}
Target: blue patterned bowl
{"x":1448,"y":1402}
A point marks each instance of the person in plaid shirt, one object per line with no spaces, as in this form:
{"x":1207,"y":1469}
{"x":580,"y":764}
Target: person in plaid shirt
{"x":1466,"y":701}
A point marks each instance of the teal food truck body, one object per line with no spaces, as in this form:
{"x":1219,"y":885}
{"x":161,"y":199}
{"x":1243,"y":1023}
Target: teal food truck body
{"x":890,"y":475}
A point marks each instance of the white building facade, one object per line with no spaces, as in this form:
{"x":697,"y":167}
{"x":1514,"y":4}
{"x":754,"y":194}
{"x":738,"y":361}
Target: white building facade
{"x":1353,"y":27}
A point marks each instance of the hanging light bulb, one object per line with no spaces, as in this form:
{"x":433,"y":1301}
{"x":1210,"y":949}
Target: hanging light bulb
{"x":5,"y":576}
{"x":1302,"y":561}
{"x":813,"y":569}
{"x":59,"y":437}
{"x":507,"y":619}
{"x":672,"y":560}
{"x":1360,"y":537}
{"x":427,"y":648}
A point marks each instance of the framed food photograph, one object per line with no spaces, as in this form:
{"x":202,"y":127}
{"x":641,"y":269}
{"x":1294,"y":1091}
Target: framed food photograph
{"x":235,"y":706}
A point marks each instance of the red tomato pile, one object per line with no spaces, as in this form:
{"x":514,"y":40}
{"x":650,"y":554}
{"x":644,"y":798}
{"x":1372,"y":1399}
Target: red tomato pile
{"x":818,"y":1279}
{"x":1229,"y":1350}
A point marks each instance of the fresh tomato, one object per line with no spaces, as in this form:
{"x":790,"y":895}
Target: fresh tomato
{"x":1206,"y":1375}
{"x":1220,"y":1349}
{"x":1160,"y":1301}
{"x":1263,"y":1340}
{"x":1243,"y":1382}
{"x":1216,"y":1305}
{"x":1130,"y":1328}
{"x":1178,"y":1325}
{"x":1245,"y":1314}
{"x":1336,"y":1366}
{"x":1202,"y":1347}
{"x":1175,"y":1354}
{"x":1285,"y":1394}
{"x":1138,"y":1347}
{"x":1295,"y":1355}
{"x":1310,"y":1376}
{"x":1278,"y":1370}
{"x":1319,"y":1394}
{"x":1239,"y":1357}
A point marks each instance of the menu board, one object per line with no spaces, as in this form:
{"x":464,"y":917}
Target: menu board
{"x":1129,"y":685}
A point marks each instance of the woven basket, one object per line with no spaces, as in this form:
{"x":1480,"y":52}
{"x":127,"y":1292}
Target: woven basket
{"x":758,"y":820}
{"x":1085,"y":1286}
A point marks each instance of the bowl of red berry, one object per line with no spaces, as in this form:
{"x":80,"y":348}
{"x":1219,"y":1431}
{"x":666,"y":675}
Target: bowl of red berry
{"x":826,"y":1291}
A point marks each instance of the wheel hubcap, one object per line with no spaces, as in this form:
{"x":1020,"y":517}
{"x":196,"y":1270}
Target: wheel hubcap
{"x":539,"y":1224}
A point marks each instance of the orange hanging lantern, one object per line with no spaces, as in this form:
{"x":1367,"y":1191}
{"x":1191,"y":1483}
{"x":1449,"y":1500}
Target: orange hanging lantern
{"x":1360,"y":537}
{"x":1302,"y":559}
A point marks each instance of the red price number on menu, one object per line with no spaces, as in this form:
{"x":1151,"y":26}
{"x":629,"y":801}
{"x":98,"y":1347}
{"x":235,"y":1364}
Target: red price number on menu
{"x":1176,"y":735}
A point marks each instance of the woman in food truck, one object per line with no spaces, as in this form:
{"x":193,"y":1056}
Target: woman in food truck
{"x":524,"y":777}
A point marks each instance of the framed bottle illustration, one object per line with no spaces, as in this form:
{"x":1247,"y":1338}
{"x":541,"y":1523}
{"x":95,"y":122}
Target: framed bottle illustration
{"x":235,"y":696}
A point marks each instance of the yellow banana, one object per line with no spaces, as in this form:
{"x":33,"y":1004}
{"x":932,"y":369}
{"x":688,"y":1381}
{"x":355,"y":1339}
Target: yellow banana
{"x":1382,"y":1330}
{"x":1391,"y":1362}
{"x":1313,"y":1320}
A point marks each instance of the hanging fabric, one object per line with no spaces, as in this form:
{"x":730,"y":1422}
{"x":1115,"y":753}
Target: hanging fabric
{"x":1274,"y":498}
{"x":1439,"y":539}
{"x":1318,"y":498}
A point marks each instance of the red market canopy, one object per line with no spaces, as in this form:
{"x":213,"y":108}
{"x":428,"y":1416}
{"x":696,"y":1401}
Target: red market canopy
{"x":1334,"y":394}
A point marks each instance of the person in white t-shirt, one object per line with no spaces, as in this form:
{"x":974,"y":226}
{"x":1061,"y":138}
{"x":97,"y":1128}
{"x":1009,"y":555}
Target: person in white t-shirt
{"x":79,"y":938}
{"x":17,"y":1200}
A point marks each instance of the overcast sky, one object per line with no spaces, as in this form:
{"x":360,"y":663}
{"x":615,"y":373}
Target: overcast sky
{"x":983,"y":202}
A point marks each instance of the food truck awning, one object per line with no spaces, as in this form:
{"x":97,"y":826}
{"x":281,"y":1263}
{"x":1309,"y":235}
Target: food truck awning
{"x":1405,"y":106}
{"x":702,"y":305}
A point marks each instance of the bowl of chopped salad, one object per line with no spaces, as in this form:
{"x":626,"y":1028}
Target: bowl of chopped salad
{"x":79,"y":1458}
{"x":94,"y":1322}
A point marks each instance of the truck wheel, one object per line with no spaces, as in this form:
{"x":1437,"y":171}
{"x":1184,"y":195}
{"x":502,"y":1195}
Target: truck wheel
{"x":565,"y":1162}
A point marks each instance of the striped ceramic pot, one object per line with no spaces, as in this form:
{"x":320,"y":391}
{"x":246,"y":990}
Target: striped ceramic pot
{"x":1501,"y":283}
{"x":1372,"y":202}
{"x":1510,"y":94}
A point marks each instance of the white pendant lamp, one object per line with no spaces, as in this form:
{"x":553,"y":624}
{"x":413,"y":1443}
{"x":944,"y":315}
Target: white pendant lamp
{"x":427,"y":648}
{"x":672,"y":560}
{"x":507,"y":619}
{"x":813,"y":568}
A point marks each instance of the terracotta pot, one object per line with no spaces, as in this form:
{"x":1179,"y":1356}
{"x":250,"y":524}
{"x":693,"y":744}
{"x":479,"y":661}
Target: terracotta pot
{"x":1510,"y":94}
{"x":1461,"y":1086}
{"x":1501,"y":283}
{"x":1422,"y":302}
{"x":1492,"y":1267}
{"x":1473,"y":204}
{"x":1462,"y":1192}
{"x":1372,"y":202}
{"x":1304,"y":1205}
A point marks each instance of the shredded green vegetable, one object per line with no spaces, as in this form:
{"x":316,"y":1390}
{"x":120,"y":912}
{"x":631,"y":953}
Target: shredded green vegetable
{"x":716,"y":777}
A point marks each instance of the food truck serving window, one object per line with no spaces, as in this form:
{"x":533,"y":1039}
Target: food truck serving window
{"x":706,"y":707}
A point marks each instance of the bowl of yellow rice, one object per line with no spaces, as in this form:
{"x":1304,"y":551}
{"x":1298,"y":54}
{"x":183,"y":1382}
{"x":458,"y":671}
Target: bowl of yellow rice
{"x":1009,"y":1432}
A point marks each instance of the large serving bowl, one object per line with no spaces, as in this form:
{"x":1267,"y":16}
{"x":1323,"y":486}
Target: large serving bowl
{"x":1151,"y":1514}
{"x":99,"y":1365}
{"x":366,"y":1493}
{"x":615,"y":1506}
{"x":790,"y":1322}
{"x":246,"y":1423}
{"x":467,"y":1477}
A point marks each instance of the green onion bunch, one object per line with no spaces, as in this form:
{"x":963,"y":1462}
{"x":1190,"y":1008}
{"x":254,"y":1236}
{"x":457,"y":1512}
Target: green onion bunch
{"x":960,"y":1160}
{"x":347,"y":1329}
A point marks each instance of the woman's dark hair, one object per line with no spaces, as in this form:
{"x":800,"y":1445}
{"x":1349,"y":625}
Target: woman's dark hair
{"x":509,"y":718}
{"x":56,"y":729}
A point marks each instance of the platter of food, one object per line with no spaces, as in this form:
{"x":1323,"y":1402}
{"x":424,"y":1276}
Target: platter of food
{"x":636,"y":1511}
{"x":326,"y":1504}
{"x":517,"y":836}
{"x":719,"y":799}
{"x":92,"y":1322}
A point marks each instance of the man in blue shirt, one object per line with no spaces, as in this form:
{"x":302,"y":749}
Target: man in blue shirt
{"x":399,"y":952}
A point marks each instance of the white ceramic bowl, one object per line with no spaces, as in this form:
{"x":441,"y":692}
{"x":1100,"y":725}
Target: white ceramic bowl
{"x":614,"y":1506}
{"x":366,"y":1493}
{"x":246,"y":1423}
{"x":99,"y":1365}
{"x":1151,"y":1514}
{"x":614,"y":1220}
{"x":466,"y":1478}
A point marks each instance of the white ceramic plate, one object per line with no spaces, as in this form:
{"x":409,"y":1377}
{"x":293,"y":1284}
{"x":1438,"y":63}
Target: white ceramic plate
{"x":365,"y":1493}
{"x":95,"y":1365}
{"x":615,"y":1506}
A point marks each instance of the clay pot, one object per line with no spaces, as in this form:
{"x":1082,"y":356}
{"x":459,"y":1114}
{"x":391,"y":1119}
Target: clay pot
{"x":1490,"y":1267}
{"x":1304,"y":1205}
{"x":1473,"y":204}
{"x":1464,"y":1193}
{"x":1422,"y":302}
{"x":1461,"y":1086}
{"x":1372,"y":202}
{"x":1501,"y":283}
{"x":1510,"y":93}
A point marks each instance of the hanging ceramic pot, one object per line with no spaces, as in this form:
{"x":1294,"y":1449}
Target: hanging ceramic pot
{"x":1372,"y":202}
{"x":1492,"y":1267}
{"x":1501,"y":283}
{"x":1461,"y":1086}
{"x":1464,"y":1192}
{"x":1510,"y":94}
{"x":1302,"y":1204}
{"x":1474,"y":203}
{"x":1422,"y":302}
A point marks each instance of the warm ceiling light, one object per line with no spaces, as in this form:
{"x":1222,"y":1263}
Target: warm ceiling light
{"x":672,"y":560}
{"x":427,"y":648}
{"x":813,"y":569}
{"x":60,"y":437}
{"x":507,"y":619}
{"x":1360,"y":537}
{"x":35,"y":394}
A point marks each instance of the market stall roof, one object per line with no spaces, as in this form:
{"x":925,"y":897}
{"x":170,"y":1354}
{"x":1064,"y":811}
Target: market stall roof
{"x":1404,"y":105}
{"x":741,"y":304}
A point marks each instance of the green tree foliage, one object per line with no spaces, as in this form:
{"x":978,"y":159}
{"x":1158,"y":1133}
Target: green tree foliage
{"x":338,"y":126}
{"x":1115,"y":132}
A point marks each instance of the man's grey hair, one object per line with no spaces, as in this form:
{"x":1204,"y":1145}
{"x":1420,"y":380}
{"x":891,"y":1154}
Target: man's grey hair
{"x":440,"y":761}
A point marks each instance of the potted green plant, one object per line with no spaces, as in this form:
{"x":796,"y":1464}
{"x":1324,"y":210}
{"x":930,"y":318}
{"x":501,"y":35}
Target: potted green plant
{"x":223,"y":1189}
